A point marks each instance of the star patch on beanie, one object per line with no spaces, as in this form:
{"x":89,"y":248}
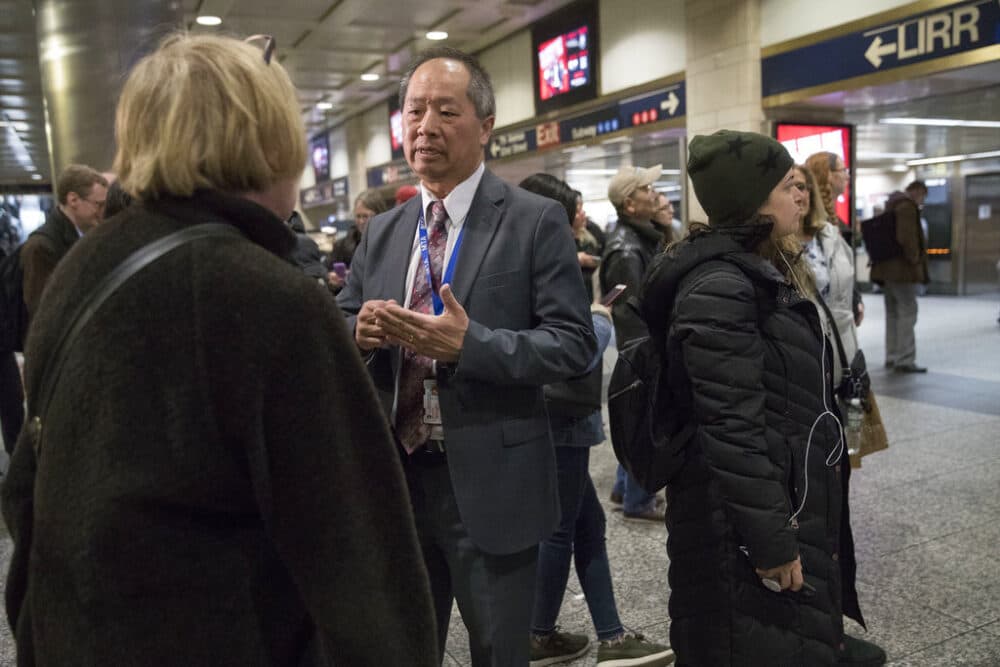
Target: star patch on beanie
{"x":734,"y":172}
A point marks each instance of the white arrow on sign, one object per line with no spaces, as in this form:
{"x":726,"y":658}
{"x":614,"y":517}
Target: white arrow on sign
{"x":876,"y":50}
{"x":670,"y":104}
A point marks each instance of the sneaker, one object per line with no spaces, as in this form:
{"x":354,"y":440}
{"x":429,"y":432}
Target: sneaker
{"x":616,"y":498}
{"x":633,"y":649}
{"x":653,"y":512}
{"x":856,"y":651}
{"x":909,"y":368}
{"x":557,"y":647}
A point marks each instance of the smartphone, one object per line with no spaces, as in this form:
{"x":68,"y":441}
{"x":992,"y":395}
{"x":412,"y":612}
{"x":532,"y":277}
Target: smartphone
{"x":340,"y":269}
{"x":612,"y":294}
{"x":596,"y":258}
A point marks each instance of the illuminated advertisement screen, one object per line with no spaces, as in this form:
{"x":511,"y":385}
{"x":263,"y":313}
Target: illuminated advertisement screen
{"x":395,"y":128}
{"x":319,"y":155}
{"x":563,"y":64}
{"x":564,"y":50}
{"x":803,"y":139}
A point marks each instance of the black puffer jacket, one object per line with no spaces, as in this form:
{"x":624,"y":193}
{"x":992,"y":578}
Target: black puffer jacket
{"x":746,"y":362}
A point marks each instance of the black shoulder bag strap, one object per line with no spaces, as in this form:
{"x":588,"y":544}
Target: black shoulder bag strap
{"x":844,"y":361}
{"x":131,"y":265}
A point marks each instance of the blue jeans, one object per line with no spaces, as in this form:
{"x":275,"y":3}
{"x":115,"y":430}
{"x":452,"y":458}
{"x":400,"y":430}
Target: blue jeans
{"x":580,"y":535}
{"x":636,"y":498}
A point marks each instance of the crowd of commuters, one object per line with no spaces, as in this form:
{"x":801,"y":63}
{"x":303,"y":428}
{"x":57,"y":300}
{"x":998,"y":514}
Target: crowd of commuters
{"x":252,"y":472}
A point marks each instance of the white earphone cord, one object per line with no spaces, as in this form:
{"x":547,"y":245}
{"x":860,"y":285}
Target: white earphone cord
{"x":837,"y":452}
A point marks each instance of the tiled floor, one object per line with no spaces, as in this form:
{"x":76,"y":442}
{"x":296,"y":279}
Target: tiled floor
{"x":926,"y":512}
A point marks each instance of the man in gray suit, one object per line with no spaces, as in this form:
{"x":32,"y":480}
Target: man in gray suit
{"x":465,"y":310}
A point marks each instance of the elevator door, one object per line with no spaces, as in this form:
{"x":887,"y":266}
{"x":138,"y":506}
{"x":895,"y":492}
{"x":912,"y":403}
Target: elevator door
{"x":982,"y":225}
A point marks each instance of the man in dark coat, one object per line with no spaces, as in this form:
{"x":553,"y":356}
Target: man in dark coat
{"x":630,"y":248}
{"x":306,"y":254}
{"x":900,"y":277}
{"x":82,"y":193}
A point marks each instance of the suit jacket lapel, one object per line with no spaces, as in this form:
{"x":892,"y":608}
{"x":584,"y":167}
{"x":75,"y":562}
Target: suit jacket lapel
{"x":397,"y":259}
{"x":480,"y":226}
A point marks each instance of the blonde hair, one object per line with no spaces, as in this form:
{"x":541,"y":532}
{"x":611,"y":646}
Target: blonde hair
{"x":821,"y":164}
{"x":816,"y":215}
{"x":206,"y":112}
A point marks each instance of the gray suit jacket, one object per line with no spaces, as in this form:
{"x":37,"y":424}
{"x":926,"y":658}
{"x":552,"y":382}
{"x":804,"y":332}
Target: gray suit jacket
{"x":518,"y":279}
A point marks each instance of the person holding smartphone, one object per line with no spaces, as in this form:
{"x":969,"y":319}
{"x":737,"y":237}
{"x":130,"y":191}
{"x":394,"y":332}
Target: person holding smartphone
{"x":630,"y":248}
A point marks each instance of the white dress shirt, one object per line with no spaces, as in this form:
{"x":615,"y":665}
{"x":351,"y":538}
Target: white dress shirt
{"x":457,"y":204}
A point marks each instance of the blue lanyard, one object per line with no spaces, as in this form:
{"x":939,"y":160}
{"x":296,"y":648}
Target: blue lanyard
{"x":425,"y":255}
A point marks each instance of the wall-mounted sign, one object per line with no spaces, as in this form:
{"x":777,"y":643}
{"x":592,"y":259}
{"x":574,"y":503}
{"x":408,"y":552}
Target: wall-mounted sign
{"x":654,"y":107}
{"x":511,"y":143}
{"x":547,"y":134}
{"x":388,"y":174}
{"x":324,"y":193}
{"x":957,"y":28}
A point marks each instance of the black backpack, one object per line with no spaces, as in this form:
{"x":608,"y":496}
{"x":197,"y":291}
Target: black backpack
{"x":651,"y":449}
{"x":879,"y":233}
{"x":650,"y":424}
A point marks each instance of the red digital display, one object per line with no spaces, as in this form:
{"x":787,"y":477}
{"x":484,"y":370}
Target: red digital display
{"x":563,"y":63}
{"x":802,"y":140}
{"x":396,"y":129}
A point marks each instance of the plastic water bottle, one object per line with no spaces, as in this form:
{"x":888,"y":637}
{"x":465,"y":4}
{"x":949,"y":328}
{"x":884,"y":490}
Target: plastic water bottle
{"x":855,"y":414}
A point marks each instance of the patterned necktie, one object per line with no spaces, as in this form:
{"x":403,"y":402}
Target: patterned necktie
{"x":410,"y":426}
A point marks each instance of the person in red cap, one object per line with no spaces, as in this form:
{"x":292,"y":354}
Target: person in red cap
{"x":404,"y":193}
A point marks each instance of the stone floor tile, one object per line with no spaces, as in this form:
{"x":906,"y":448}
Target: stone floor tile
{"x":902,"y":626}
{"x":976,"y":648}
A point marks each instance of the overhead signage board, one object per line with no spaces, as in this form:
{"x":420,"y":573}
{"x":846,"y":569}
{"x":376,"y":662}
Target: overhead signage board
{"x":508,"y":144}
{"x":324,"y":193}
{"x":388,"y":174}
{"x":662,"y":105}
{"x":948,"y":30}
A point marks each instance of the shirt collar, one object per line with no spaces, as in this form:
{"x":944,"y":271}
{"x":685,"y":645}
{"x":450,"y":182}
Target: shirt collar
{"x":459,"y":201}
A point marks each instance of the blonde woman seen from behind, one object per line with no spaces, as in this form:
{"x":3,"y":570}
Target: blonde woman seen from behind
{"x":202,"y":491}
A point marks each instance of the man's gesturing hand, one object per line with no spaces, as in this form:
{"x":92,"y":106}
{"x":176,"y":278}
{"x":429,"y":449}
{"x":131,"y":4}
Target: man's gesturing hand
{"x":438,"y":337}
{"x":368,"y":330}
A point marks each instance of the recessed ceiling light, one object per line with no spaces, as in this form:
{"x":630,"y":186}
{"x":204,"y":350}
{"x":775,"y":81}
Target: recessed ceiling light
{"x":369,"y":76}
{"x":36,"y":177}
{"x":20,"y":126}
{"x":436,"y":35}
{"x":208,"y":20}
{"x":940,"y":122}
{"x":324,"y":106}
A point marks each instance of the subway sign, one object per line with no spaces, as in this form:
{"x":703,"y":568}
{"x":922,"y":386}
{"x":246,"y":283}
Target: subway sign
{"x":949,"y":30}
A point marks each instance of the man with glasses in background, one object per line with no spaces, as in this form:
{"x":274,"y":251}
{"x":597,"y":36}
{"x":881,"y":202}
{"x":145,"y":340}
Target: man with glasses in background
{"x":82,"y":193}
{"x":630,"y":247}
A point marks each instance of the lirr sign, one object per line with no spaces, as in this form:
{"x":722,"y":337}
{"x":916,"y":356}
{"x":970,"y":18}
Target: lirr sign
{"x":956,"y":28}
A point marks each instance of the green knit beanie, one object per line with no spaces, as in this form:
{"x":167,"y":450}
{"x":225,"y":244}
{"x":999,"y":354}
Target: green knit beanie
{"x":734,"y":172}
